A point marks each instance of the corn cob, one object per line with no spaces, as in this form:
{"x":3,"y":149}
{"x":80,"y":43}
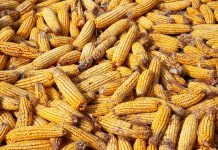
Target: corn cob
{"x":141,"y":118}
{"x":57,"y":41}
{"x":207,"y":13}
{"x":99,"y":109}
{"x":43,"y":42}
{"x":175,"y":6}
{"x":41,"y":93}
{"x":93,"y":83}
{"x":8,"y":103}
{"x":180,"y":19}
{"x":45,"y":3}
{"x":186,"y":59}
{"x":206,"y":27}
{"x":9,"y":5}
{"x":78,"y":145}
{"x":202,"y":33}
{"x":59,"y":5}
{"x":160,"y":92}
{"x":52,"y":93}
{"x":25,"y":7}
{"x":6,"y":35}
{"x":102,"y":135}
{"x":35,"y":133}
{"x":54,"y":115}
{"x":37,"y":120}
{"x":4,"y":129}
{"x":78,"y":134}
{"x":141,"y":8}
{"x":22,"y":41}
{"x":193,"y":51}
{"x":41,"y":24}
{"x":6,"y":117}
{"x":199,"y":73}
{"x":69,"y":90}
{"x":171,"y":28}
{"x":145,"y":22}
{"x":188,"y":133}
{"x":196,"y":3}
{"x":51,"y":57}
{"x":124,"y":144}
{"x":133,"y":62}
{"x":74,"y":30}
{"x":51,"y":20}
{"x":9,"y":76}
{"x":85,"y":35}
{"x":70,"y":58}
{"x":25,"y":117}
{"x":113,"y":16}
{"x":213,"y":4}
{"x":138,"y":49}
{"x":159,"y":19}
{"x":3,"y":60}
{"x":171,"y":134}
{"x":139,"y":144}
{"x":90,"y":6}
{"x":112,"y":143}
{"x":152,"y":147}
{"x":124,"y":47}
{"x":126,"y":87}
{"x":206,"y":129}
{"x":202,"y":86}
{"x":64,"y":20}
{"x":6,"y":21}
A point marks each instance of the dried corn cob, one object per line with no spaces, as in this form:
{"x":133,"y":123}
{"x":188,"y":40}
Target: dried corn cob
{"x":64,"y":20}
{"x":159,"y":19}
{"x":207,"y":13}
{"x":8,"y":103}
{"x":79,"y":145}
{"x":37,"y":120}
{"x":6,"y":21}
{"x":99,"y":109}
{"x":41,"y":24}
{"x":57,"y":41}
{"x":6,"y":35}
{"x":4,"y":129}
{"x":70,"y":58}
{"x":175,"y":6}
{"x":3,"y":60}
{"x":9,"y":76}
{"x":171,"y":28}
{"x":45,"y":3}
{"x":41,"y":93}
{"x":212,"y":4}
{"x":90,"y":6}
{"x":124,"y":144}
{"x":139,"y":144}
{"x":202,"y":86}
{"x":25,"y":7}
{"x":43,"y":42}
{"x":6,"y":116}
{"x":141,"y":118}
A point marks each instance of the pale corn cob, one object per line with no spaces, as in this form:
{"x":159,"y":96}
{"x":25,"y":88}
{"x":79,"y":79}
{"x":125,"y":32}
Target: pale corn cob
{"x":70,"y":58}
{"x":144,"y":82}
{"x":18,"y":50}
{"x":6,"y":35}
{"x":112,"y":16}
{"x":175,"y":6}
{"x":6,"y":21}
{"x":37,"y":120}
{"x":171,"y":28}
{"x":202,"y":86}
{"x":8,"y":103}
{"x":112,"y":143}
{"x":3,"y":60}
{"x":11,"y":91}
{"x":124,"y":144}
{"x":152,"y":147}
{"x":34,"y":133}
{"x":59,"y":5}
{"x":41,"y":24}
{"x":90,"y":5}
{"x":145,"y":22}
{"x":52,"y":93}
{"x":160,"y":123}
{"x":133,"y":62}
{"x":186,"y":59}
{"x":64,"y":20}
{"x":9,"y":5}
{"x":86,"y":57}
{"x":159,"y":19}
{"x":69,"y":90}
{"x":45,"y":3}
{"x":81,"y":18}
{"x":139,"y":144}
{"x":213,"y":5}
{"x":160,"y":92}
{"x":206,"y":129}
{"x":63,"y":105}
{"x":50,"y":57}
{"x":141,"y":8}
{"x":89,"y":15}
{"x":188,"y":133}
{"x":141,"y":118}
{"x":102,"y":135}
{"x":22,"y":41}
{"x":25,"y":117}
{"x":4,"y":129}
{"x":139,"y":105}
{"x":54,"y":114}
{"x":78,"y":145}
{"x":6,"y":116}
{"x":45,"y":79}
{"x":171,"y":134}
{"x":41,"y":93}
{"x":205,"y":34}
{"x":51,"y":20}
{"x":57,"y":41}
{"x":99,"y":109}
{"x":199,"y":73}
{"x":126,"y":87}
{"x":9,"y":76}
{"x":31,"y":144}
{"x":25,"y":7}
{"x":43,"y":42}
{"x":206,"y":27}
{"x":93,"y":83}
{"x":74,"y":30}
{"x":110,"y":52}
{"x":207,"y":14}
{"x":100,"y":50}
{"x":112,"y":4}
{"x":78,"y":134}
{"x":124,"y":47}
{"x":196,"y":3}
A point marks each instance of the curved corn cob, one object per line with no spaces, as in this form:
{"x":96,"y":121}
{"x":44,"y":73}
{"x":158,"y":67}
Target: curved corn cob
{"x":139,"y":144}
{"x":41,"y":24}
{"x":41,"y":93}
{"x":188,"y":133}
{"x":79,"y":145}
{"x":69,"y":90}
{"x":64,"y":20}
{"x":57,"y":41}
{"x":171,"y":28}
{"x":175,"y":6}
{"x":123,"y":144}
{"x":43,"y":42}
{"x":70,"y":58}
{"x":207,"y":14}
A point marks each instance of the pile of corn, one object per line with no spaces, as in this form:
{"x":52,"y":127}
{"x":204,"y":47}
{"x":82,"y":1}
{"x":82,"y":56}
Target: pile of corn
{"x":108,"y":74}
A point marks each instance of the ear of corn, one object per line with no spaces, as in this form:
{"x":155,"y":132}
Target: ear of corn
{"x":123,"y":143}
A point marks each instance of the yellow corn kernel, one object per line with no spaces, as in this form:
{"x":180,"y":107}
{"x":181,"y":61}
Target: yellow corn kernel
{"x":124,"y":47}
{"x":159,"y":19}
{"x":207,"y":14}
{"x":112,"y":16}
{"x":124,"y":144}
{"x":34,"y":133}
{"x":37,"y":120}
{"x":4,"y":129}
{"x":51,"y":20}
{"x":69,"y":90}
{"x":141,"y":8}
{"x":145,"y":22}
{"x":93,"y":83}
{"x":198,"y":73}
{"x":188,"y":133}
{"x":171,"y":134}
{"x":41,"y":24}
{"x":28,"y":83}
{"x":25,"y":7}
{"x":50,"y":57}
{"x":41,"y":94}
{"x":54,"y":114}
{"x":171,"y":28}
{"x":3,"y":60}
{"x":125,"y":88}
{"x":45,"y":3}
{"x":86,"y":57}
{"x":124,"y":128}
{"x":160,"y":123}
{"x":18,"y":50}
{"x":6,"y":35}
{"x":64,"y":20}
{"x":25,"y":117}
{"x":75,"y":146}
{"x":70,"y":58}
{"x":206,"y":129}
{"x":112,"y":143}
{"x":144,"y":82}
{"x":43,"y":42}
{"x":175,"y":6}
{"x":77,"y":134}
{"x":57,"y":41}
